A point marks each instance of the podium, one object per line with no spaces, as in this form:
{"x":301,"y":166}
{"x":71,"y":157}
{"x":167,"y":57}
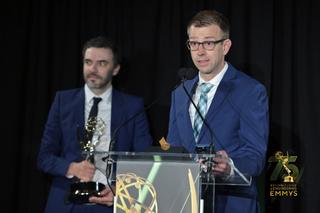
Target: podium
{"x":152,"y":182}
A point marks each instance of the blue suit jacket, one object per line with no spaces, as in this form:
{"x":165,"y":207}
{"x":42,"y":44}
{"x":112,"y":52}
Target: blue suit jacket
{"x":238,"y":116}
{"x":60,"y":145}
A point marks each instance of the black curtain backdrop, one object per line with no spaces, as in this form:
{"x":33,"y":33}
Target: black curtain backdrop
{"x":275,"y":41}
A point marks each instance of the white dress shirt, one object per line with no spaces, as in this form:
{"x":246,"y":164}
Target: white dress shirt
{"x":103,"y":141}
{"x":215,"y":82}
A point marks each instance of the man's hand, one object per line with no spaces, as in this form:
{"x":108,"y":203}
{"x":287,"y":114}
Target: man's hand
{"x":82,"y":170}
{"x":221,"y":164}
{"x":106,"y":197}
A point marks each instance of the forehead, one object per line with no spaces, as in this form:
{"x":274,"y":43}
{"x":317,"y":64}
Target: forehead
{"x":210,"y":31}
{"x":95,"y":53}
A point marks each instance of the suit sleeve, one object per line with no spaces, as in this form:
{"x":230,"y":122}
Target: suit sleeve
{"x":49,"y":159}
{"x":142,"y":137}
{"x":173,"y":134}
{"x":253,"y":132}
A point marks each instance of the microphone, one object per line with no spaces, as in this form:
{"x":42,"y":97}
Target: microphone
{"x":186,"y":74}
{"x":183,"y":73}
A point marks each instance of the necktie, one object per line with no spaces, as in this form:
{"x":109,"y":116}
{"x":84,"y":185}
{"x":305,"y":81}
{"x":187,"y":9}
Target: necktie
{"x":202,"y":106}
{"x":93,"y":116}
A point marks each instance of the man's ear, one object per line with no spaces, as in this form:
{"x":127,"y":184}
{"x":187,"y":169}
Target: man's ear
{"x":116,"y":70}
{"x":226,"y":46}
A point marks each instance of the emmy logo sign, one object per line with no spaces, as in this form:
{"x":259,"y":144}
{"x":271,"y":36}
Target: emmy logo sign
{"x":80,"y":191}
{"x":287,"y":178}
{"x":285,"y":175}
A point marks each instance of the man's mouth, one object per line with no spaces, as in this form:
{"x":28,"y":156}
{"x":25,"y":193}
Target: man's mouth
{"x":93,"y":77}
{"x":203,"y":62}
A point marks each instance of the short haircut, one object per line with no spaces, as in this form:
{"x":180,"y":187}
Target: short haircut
{"x":208,"y":17}
{"x":103,"y":42}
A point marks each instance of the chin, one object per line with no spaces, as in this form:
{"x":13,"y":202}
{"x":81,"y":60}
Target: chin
{"x":205,"y":71}
{"x":93,"y":85}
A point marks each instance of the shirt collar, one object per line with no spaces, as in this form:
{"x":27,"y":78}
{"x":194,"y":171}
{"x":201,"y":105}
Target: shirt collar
{"x":216,"y":80}
{"x":90,"y":95}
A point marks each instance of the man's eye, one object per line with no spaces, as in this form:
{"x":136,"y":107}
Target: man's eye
{"x":87,"y":62}
{"x":103,"y":63}
{"x":193,"y":43}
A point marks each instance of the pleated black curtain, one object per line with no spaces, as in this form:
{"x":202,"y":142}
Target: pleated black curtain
{"x":275,"y":41}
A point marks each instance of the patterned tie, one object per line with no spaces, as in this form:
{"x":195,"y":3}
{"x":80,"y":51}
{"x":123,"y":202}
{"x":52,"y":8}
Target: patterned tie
{"x":93,"y":114}
{"x":202,"y":106}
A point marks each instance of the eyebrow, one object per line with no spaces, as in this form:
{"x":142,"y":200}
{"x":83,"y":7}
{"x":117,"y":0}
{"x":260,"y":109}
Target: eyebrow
{"x":88,"y":59}
{"x":210,"y":37}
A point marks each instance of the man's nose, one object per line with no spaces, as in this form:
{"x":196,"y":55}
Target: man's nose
{"x":93,"y":67}
{"x":201,"y":50}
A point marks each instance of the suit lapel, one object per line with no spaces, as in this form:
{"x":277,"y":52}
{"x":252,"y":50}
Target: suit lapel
{"x":220,"y":96}
{"x":186,"y":130}
{"x":116,"y":111}
{"x":79,"y":104}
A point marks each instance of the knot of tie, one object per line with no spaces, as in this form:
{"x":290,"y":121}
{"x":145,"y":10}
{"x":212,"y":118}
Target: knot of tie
{"x":92,"y":118}
{"x":205,"y":87}
{"x":96,"y":100}
{"x":94,"y":108}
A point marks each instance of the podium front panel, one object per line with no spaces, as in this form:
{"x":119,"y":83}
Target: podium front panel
{"x":157,"y":186}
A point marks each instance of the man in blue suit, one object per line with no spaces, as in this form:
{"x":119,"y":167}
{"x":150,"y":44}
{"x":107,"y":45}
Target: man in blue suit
{"x":60,"y":152}
{"x":234,"y":105}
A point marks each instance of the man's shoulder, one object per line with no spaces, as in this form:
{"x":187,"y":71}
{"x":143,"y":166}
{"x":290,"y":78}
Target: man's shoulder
{"x":126,"y":102}
{"x":244,"y":79}
{"x":70,"y":95}
{"x":125,"y":96}
{"x":244,"y":87}
{"x":70,"y":92}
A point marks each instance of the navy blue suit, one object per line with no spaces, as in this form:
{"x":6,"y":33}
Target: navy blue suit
{"x":238,"y":116}
{"x":60,"y":145}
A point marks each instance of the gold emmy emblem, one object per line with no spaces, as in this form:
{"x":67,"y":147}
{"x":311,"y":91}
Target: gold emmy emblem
{"x":284,"y":161}
{"x":164,"y":144}
{"x":135,"y":194}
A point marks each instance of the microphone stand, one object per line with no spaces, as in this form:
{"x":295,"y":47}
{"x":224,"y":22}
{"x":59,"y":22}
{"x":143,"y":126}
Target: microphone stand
{"x":115,"y":132}
{"x":208,"y":175}
{"x":211,"y":146}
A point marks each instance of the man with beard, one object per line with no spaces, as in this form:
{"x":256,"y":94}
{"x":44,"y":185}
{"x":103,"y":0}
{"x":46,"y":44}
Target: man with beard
{"x":60,"y":152}
{"x":234,"y":107}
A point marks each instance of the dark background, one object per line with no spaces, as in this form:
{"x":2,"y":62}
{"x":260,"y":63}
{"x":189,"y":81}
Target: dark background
{"x":275,"y":41}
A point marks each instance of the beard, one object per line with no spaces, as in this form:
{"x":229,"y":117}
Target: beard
{"x":98,"y":82}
